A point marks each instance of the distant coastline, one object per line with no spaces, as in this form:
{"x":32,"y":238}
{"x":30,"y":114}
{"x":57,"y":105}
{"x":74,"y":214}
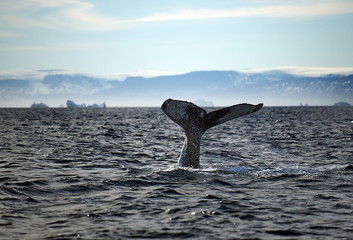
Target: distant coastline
{"x":218,"y":88}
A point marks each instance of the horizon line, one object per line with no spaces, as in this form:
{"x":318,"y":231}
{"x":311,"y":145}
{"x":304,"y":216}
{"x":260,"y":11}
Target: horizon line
{"x":153,"y":106}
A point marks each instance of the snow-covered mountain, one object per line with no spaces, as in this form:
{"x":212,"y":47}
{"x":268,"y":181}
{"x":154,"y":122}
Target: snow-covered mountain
{"x":221,"y":87}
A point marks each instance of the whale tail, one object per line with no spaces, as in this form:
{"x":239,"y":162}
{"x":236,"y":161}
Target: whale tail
{"x":195,"y":121}
{"x":192,"y":117}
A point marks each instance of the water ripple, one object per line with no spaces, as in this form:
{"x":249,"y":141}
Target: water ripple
{"x":283,"y":173}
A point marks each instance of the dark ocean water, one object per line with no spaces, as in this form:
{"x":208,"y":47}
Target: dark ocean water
{"x":282,"y":173}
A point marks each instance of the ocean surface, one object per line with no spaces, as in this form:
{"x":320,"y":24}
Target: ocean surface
{"x":281,"y":173}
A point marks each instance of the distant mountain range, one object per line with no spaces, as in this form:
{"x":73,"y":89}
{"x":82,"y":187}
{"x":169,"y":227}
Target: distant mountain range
{"x":274,"y":88}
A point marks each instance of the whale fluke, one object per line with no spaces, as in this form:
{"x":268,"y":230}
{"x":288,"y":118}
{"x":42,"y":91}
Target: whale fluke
{"x":195,"y":121}
{"x":225,"y":114}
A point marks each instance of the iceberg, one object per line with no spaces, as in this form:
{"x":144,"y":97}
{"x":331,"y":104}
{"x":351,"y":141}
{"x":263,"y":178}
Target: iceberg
{"x":72,"y":104}
{"x":39,"y":105}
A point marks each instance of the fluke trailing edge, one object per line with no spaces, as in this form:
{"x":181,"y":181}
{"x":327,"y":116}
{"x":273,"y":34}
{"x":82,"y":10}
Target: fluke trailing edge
{"x":195,"y":121}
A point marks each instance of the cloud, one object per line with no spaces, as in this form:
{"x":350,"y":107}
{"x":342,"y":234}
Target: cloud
{"x":81,"y":15}
{"x":8,"y":34}
{"x":30,"y":74}
{"x":50,"y":47}
{"x":307,"y":9}
{"x":305,"y":71}
{"x":72,"y":14}
{"x":84,"y":17}
{"x":145,"y":74}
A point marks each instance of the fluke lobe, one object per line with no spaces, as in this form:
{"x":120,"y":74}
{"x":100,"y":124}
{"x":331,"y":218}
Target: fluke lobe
{"x":195,"y":121}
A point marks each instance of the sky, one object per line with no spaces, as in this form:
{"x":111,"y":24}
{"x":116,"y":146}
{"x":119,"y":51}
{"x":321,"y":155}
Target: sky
{"x":107,"y":37}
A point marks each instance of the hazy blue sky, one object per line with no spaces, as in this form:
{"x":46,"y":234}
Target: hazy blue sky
{"x":117,"y":36}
